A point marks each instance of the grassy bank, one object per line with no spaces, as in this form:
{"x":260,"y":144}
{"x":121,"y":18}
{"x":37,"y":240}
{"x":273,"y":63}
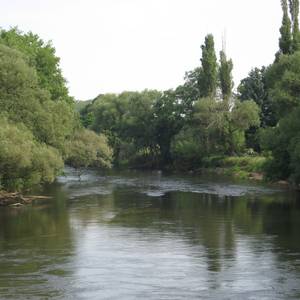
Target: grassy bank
{"x":244,"y":167}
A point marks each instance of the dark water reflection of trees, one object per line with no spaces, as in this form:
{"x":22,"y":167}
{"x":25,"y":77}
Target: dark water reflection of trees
{"x":41,"y":242}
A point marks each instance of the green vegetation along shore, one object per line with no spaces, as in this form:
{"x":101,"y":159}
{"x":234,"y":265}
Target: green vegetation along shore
{"x":252,"y":131}
{"x":205,"y":123}
{"x":38,"y":123}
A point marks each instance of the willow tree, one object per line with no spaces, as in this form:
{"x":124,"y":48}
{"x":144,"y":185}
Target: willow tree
{"x":41,"y":56}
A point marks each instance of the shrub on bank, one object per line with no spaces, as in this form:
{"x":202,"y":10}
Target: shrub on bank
{"x":239,"y":166}
{"x":24,"y":161}
{"x":88,"y":149}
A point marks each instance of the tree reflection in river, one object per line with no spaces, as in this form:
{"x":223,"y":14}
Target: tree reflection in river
{"x":122,"y":242}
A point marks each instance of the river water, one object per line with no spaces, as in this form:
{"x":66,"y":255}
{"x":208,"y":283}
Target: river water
{"x":152,"y":236}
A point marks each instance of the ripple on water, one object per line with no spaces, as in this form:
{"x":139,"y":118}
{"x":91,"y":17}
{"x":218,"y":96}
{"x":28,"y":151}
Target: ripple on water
{"x":186,"y":245}
{"x":153,"y":185}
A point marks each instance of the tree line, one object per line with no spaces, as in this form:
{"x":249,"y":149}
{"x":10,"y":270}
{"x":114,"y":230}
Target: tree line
{"x":39,"y":127}
{"x":195,"y":125}
{"x":204,"y":118}
{"x":198,"y":119}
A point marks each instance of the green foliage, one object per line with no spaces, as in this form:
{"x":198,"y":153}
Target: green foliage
{"x":168,"y":121}
{"x":242,"y":167}
{"x":189,"y":126}
{"x":294,"y":11}
{"x":254,"y":88}
{"x":41,"y":57}
{"x":190,"y":90}
{"x":283,"y":142}
{"x":289,"y":41}
{"x":126,"y":119}
{"x":209,"y":75}
{"x":19,"y":93}
{"x":38,"y":117}
{"x":87,"y":149}
{"x":55,"y":123}
{"x":151,"y":125}
{"x":139,"y":118}
{"x":23,"y":161}
{"x":221,"y":129}
{"x":186,"y":149}
{"x":208,"y":120}
{"x":225,"y":76}
{"x":244,"y":115}
{"x":25,"y":158}
{"x":285,"y":40}
{"x":24,"y":101}
{"x":244,"y":163}
{"x":283,"y":82}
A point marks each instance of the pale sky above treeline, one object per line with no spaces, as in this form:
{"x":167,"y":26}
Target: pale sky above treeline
{"x":116,"y":45}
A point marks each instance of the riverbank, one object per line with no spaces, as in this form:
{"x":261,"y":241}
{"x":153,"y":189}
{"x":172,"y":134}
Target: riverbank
{"x":250,"y":168}
{"x":241,"y":167}
{"x":247,"y":167}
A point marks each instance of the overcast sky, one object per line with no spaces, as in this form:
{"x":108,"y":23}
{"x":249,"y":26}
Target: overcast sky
{"x":115,"y":45}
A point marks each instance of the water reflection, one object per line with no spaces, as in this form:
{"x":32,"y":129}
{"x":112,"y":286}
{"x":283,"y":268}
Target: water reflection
{"x":118,"y":241}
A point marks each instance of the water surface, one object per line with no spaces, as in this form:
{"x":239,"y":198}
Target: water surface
{"x":152,"y":236}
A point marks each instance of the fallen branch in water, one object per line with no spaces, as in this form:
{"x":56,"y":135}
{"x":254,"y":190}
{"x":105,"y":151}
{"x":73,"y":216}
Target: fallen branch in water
{"x":17,"y":199}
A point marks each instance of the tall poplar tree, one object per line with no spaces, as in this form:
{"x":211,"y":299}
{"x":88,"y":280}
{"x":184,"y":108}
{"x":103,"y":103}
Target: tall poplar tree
{"x":225,"y":76}
{"x":294,"y":11}
{"x":285,"y":40}
{"x":209,"y":74}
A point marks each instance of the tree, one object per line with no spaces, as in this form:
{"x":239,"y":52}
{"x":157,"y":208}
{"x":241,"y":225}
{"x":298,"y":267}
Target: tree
{"x":41,"y":57}
{"x":128,"y":121}
{"x":283,"y":82}
{"x":22,"y":99}
{"x":168,"y":121}
{"x":23,"y":161}
{"x":244,"y":114}
{"x":56,"y":122}
{"x":208,"y":122}
{"x":294,"y":11}
{"x":209,"y":75}
{"x":285,"y":40}
{"x":187,"y":149}
{"x":109,"y":113}
{"x":225,"y":76}
{"x":253,"y":87}
{"x":283,"y":142}
{"x":38,"y":116}
{"x":221,"y":130}
{"x":190,"y":91}
{"x":139,"y":120}
{"x":87,"y":149}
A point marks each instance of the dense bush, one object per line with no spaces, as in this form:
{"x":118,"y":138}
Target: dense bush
{"x":41,"y":57}
{"x":283,"y":142}
{"x":38,"y":120}
{"x":24,"y":161}
{"x":88,"y":149}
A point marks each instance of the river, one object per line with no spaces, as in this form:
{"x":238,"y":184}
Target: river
{"x":135,"y":235}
